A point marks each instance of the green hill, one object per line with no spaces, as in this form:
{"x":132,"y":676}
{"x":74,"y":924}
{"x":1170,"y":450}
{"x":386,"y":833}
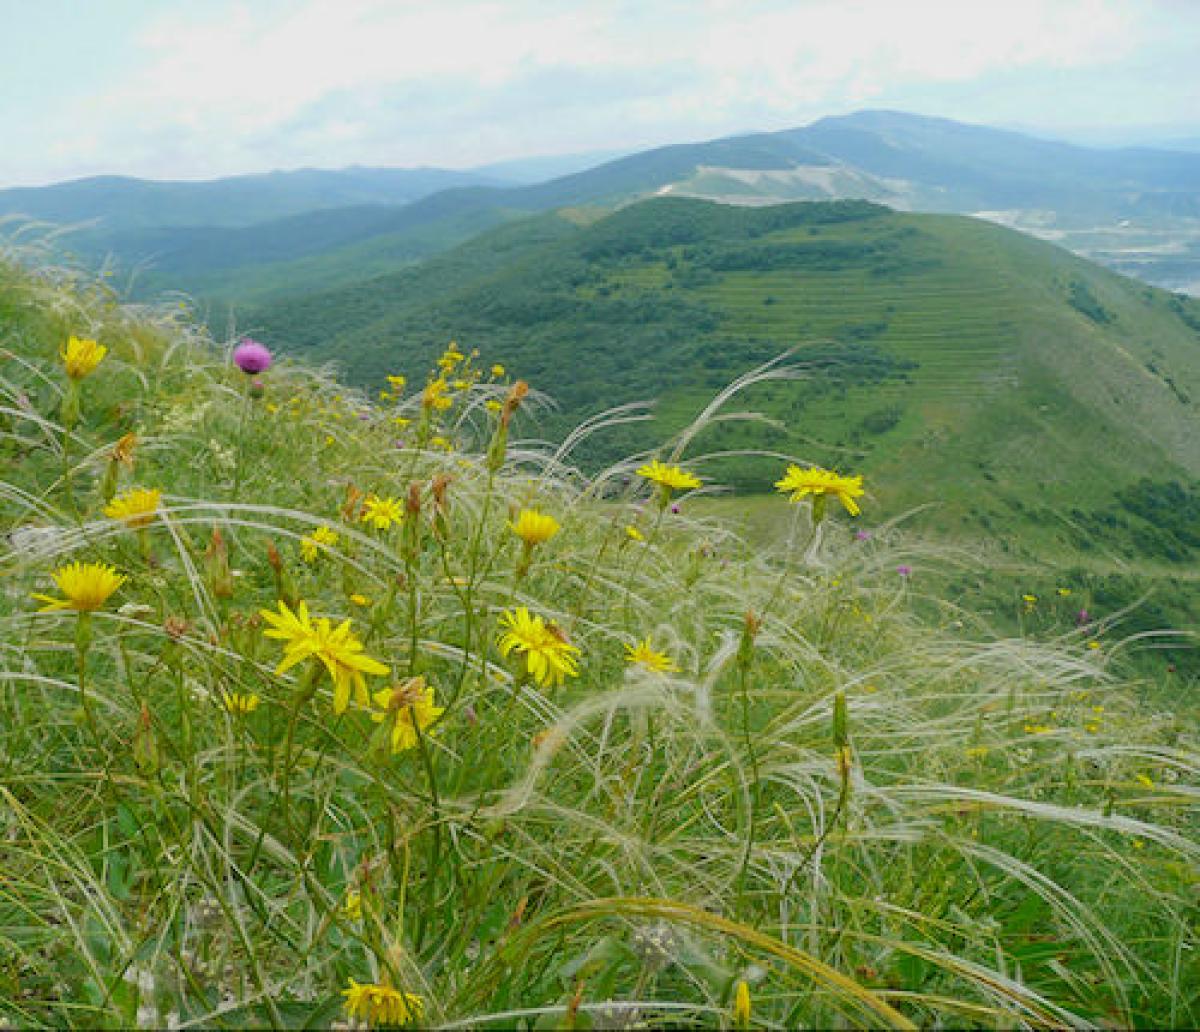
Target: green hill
{"x":935,"y":349}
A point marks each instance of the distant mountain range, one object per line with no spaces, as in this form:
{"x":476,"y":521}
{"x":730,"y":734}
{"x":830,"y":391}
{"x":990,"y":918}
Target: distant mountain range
{"x":254,"y":237}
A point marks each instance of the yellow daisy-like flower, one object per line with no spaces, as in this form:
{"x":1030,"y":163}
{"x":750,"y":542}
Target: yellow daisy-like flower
{"x":352,"y":905}
{"x":435,"y":396}
{"x":533,"y":527}
{"x":634,"y":534}
{"x":382,"y":512}
{"x":549,"y":657}
{"x":410,"y":706}
{"x":360,"y":600}
{"x":819,"y":483}
{"x":135,"y":508}
{"x":450,"y":358}
{"x":670,"y":478}
{"x":81,"y":356}
{"x":87,"y":587}
{"x":321,"y":538}
{"x":497,"y":371}
{"x":644,"y":655}
{"x":382,"y":1005}
{"x":240,"y":704}
{"x":335,"y":648}
{"x":397,"y":382}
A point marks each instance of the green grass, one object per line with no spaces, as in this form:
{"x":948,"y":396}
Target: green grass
{"x":872,"y":816}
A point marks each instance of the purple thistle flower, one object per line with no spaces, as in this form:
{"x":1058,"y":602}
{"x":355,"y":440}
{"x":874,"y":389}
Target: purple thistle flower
{"x":1082,"y":619}
{"x":904,"y":570}
{"x":862,"y":535}
{"x":675,"y":508}
{"x":251,"y":357}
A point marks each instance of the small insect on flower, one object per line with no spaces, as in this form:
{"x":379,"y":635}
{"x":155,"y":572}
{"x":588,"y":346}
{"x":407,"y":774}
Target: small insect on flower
{"x":644,"y":655}
{"x":382,"y":511}
{"x":312,"y":546}
{"x":87,"y":586}
{"x":123,"y":450}
{"x":239,"y":704}
{"x":80,"y":357}
{"x":382,"y":1005}
{"x":549,"y":657}
{"x":533,"y":527}
{"x":411,"y":708}
{"x":669,"y":478}
{"x":800,"y":483}
{"x":337,"y":649}
{"x":135,"y":508}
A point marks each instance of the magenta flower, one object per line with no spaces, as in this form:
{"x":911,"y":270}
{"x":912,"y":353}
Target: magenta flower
{"x":251,"y":357}
{"x":862,"y":535}
{"x":1082,"y":619}
{"x":904,"y":570}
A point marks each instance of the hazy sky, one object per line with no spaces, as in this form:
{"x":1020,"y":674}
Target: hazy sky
{"x":197,"y":88}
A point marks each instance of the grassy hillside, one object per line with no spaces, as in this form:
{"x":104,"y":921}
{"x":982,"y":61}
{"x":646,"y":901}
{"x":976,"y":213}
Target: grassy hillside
{"x":802,"y":806}
{"x":1022,"y":381}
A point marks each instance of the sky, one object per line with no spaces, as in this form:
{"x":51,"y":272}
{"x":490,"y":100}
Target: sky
{"x":191,"y":89}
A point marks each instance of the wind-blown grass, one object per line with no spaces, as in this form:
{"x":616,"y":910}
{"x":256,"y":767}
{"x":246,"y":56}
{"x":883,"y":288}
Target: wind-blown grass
{"x":870,"y":820}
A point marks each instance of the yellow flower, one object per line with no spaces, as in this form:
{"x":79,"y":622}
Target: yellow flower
{"x":642,"y":654}
{"x":86,"y":585}
{"x":382,"y":1005}
{"x":1144,"y":780}
{"x":321,"y":538}
{"x":397,"y":382}
{"x":135,"y":508}
{"x":976,"y":752}
{"x":360,"y":600}
{"x":497,"y":371}
{"x":1093,"y":645}
{"x":401,"y":421}
{"x":239,"y":704}
{"x":533,"y":527}
{"x":1029,"y":600}
{"x":741,"y":1005}
{"x":549,"y":657}
{"x":335,"y":648}
{"x":80,"y":357}
{"x":410,"y":707}
{"x":435,"y":396}
{"x":1063,"y":592}
{"x":670,"y":478}
{"x":1037,"y":729}
{"x":634,"y":534}
{"x":352,"y":905}
{"x":381,"y":513}
{"x":819,"y":483}
{"x":450,"y":358}
{"x":492,"y":405}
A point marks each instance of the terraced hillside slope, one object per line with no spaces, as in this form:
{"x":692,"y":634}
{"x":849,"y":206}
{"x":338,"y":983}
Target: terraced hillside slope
{"x":1025,"y":383}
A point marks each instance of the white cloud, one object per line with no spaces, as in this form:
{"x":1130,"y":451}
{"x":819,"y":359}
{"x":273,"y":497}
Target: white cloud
{"x":220,"y":87}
